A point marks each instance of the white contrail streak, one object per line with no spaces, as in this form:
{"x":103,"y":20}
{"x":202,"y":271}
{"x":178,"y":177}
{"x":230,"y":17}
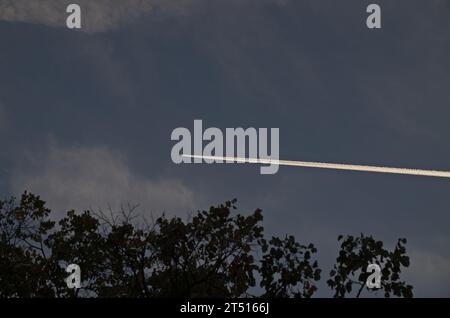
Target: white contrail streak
{"x":335,"y":166}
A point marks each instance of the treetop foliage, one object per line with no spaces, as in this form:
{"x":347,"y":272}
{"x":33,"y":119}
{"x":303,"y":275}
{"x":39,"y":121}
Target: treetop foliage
{"x":215,"y":253}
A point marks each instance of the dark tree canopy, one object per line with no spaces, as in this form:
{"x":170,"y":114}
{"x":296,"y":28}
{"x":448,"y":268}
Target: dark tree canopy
{"x":215,"y":253}
{"x":356,"y":254}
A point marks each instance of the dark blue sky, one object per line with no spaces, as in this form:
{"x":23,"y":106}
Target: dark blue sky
{"x":86,"y":116}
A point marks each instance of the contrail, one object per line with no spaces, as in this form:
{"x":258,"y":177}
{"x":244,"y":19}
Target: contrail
{"x":335,"y":166}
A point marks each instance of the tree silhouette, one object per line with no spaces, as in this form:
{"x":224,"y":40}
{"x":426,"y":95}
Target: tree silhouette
{"x":356,"y":254}
{"x":215,"y":253}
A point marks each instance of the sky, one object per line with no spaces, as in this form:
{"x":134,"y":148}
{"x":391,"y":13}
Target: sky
{"x":86,"y":115}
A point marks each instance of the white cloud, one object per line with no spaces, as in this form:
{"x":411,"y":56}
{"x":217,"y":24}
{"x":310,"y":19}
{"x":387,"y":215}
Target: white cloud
{"x":103,"y":15}
{"x":81,"y":178}
{"x":429,"y":273}
{"x":98,"y":15}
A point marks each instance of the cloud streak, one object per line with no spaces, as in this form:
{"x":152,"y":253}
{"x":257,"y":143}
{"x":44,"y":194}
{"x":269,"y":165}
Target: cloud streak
{"x":98,"y":15}
{"x":104,"y":15}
